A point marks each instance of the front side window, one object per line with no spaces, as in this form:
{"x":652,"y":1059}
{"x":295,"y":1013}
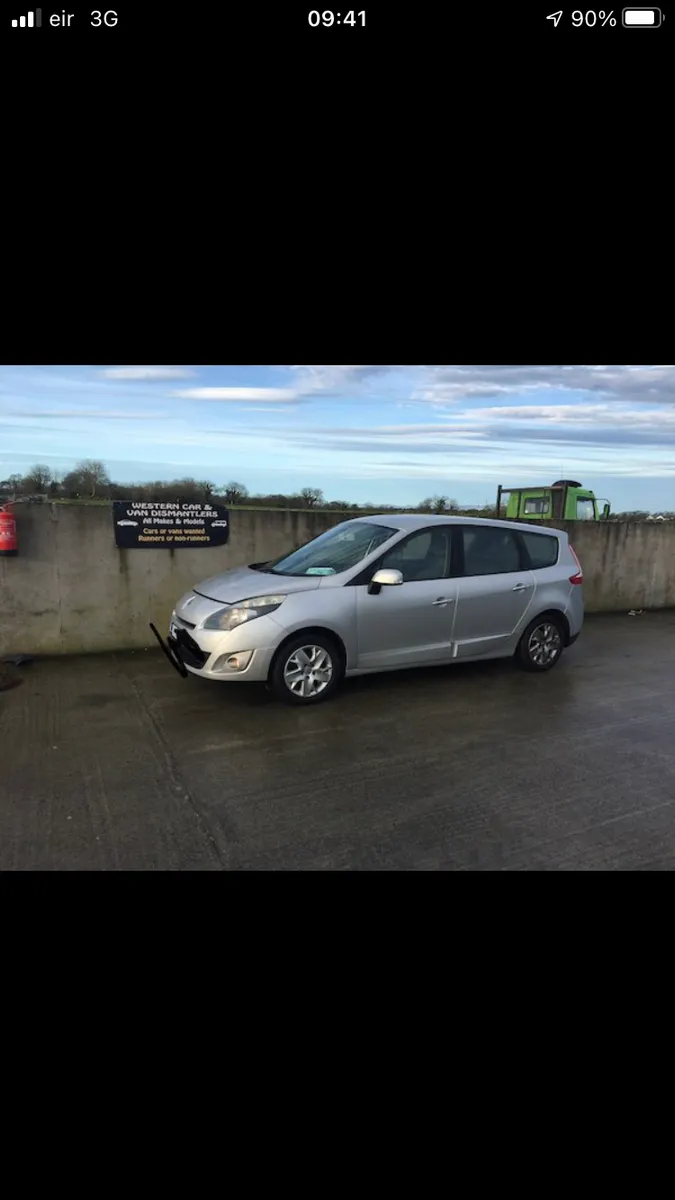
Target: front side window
{"x":490,"y":551}
{"x":542,"y":549}
{"x":585,"y":509}
{"x":337,"y":550}
{"x":535,"y":506}
{"x":423,"y":555}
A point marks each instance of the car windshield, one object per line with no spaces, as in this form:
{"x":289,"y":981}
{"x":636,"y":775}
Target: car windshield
{"x":337,"y":550}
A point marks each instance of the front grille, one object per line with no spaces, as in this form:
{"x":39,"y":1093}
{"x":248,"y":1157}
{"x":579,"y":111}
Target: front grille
{"x":185,"y":624}
{"x":189,"y":650}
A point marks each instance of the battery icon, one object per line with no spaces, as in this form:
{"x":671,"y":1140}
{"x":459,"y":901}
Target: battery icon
{"x":641,"y":18}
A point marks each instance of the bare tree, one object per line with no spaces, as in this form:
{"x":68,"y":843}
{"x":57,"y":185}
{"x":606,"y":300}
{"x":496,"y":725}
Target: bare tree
{"x":88,"y":475}
{"x":436,"y":504}
{"x":37,"y":479}
{"x":185,"y":489}
{"x":312,"y":497}
{"x":234,"y":493}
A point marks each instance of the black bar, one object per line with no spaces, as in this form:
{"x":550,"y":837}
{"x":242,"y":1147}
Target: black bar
{"x":170,"y":653}
{"x":38,"y":18}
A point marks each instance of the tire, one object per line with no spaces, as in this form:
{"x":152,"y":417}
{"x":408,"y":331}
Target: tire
{"x":542,"y":644}
{"x":292,"y":679}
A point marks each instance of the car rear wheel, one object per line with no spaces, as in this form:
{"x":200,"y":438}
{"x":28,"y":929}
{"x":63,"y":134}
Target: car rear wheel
{"x":307,"y":670}
{"x":541,"y":645}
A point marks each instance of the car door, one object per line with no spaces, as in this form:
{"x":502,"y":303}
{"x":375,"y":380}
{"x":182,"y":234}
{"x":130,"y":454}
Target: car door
{"x":494,"y":593}
{"x":409,"y":624}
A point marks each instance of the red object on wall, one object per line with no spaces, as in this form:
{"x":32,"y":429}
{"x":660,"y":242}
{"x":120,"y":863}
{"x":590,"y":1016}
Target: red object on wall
{"x":8,"y":539}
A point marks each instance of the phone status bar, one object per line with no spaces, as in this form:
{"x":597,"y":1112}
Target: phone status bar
{"x":434,"y":27}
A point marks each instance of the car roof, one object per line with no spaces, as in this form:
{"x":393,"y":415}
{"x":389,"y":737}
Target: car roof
{"x":414,"y":521}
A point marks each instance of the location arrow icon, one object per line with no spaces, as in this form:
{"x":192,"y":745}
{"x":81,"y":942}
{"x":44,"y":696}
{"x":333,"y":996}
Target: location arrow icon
{"x":555,"y":17}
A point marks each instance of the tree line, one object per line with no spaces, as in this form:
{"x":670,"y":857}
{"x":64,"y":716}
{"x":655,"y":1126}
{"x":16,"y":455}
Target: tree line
{"x":89,"y":480}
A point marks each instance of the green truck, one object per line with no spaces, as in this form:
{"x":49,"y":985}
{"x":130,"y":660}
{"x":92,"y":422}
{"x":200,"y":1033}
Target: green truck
{"x":564,"y":500}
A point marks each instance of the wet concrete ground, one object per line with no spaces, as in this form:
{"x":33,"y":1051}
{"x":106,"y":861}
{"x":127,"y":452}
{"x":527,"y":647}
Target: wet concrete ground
{"x":113,"y":762}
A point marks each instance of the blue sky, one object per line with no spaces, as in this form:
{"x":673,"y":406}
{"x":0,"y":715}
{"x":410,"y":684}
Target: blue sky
{"x":393,"y":434}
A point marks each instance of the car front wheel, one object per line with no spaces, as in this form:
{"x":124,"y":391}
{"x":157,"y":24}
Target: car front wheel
{"x":541,"y":645}
{"x":307,"y":670}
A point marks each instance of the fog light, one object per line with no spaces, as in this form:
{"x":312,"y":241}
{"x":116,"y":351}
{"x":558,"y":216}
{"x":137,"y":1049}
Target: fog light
{"x":233,"y":662}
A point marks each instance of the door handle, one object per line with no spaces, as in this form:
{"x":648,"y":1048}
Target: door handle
{"x":441,"y":602}
{"x":521,"y":587}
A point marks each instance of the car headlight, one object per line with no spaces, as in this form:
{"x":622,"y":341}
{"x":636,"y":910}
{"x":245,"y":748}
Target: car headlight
{"x":236,"y":614}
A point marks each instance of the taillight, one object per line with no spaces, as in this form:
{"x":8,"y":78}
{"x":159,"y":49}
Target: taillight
{"x":578,"y":577}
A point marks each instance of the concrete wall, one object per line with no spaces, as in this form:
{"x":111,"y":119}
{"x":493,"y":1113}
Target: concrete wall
{"x":627,"y":564}
{"x":70,"y":590}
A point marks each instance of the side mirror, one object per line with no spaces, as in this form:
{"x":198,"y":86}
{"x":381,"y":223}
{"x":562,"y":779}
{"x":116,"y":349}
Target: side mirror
{"x":384,"y":578}
{"x":605,"y":511}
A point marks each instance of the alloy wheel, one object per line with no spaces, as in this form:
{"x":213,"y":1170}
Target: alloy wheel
{"x":545,"y":644}
{"x":308,"y":671}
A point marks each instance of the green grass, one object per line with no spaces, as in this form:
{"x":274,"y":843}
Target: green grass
{"x":60,"y":500}
{"x":232,"y":507}
{"x":328,"y":512}
{"x":337,"y":512}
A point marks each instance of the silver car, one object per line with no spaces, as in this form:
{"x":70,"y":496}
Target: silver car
{"x":381,"y":593}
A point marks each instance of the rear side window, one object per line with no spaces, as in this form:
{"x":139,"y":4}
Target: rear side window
{"x":542,"y":549}
{"x":490,"y":551}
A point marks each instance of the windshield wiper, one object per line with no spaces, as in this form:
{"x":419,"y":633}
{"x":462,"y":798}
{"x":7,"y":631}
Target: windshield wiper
{"x":263,"y":569}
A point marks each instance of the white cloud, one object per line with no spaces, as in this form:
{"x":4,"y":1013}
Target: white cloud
{"x":146,"y":373}
{"x":522,"y":469}
{"x":238,"y":393}
{"x":277,"y":408}
{"x":209,"y":439}
{"x":404,"y":430}
{"x":314,"y":380}
{"x":97,"y":414}
{"x":599,"y":415}
{"x":448,"y":384}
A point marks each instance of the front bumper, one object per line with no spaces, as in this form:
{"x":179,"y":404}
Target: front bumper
{"x":256,"y":669}
{"x":244,"y":653}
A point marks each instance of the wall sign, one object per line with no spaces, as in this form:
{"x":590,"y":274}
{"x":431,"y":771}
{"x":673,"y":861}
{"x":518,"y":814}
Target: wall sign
{"x":166,"y":525}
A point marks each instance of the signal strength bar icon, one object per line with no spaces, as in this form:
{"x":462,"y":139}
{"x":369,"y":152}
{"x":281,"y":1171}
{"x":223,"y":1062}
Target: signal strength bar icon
{"x":32,"y":21}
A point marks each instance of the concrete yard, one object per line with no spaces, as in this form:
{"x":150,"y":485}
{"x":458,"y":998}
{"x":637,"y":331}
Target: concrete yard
{"x":112,"y":762}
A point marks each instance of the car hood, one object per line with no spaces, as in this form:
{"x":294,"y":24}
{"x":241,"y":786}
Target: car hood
{"x":242,"y":583}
